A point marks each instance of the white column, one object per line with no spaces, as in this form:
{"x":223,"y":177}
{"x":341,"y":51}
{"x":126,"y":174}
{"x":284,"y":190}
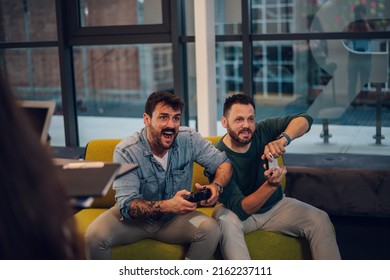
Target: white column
{"x":205,"y":67}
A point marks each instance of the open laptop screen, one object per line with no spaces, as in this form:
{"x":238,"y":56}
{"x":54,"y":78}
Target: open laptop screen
{"x":40,"y":114}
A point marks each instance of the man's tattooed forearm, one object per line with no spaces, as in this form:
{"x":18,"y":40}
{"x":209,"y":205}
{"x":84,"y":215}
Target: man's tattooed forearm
{"x":145,"y":209}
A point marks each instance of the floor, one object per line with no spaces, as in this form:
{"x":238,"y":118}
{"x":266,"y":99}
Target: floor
{"x":362,"y":238}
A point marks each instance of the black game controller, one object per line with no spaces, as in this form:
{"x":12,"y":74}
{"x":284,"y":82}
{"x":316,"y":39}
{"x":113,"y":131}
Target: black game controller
{"x":204,"y":194}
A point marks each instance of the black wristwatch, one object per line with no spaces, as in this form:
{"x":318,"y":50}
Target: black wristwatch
{"x":284,"y":134}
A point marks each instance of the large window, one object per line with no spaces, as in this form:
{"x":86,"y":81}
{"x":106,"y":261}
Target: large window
{"x":27,"y":20}
{"x":329,"y":58}
{"x":34,"y":75}
{"x":316,"y":56}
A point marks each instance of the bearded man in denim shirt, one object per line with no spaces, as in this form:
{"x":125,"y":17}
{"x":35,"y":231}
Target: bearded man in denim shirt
{"x":151,"y":199}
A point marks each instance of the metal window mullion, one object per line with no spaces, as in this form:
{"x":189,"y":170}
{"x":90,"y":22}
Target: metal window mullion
{"x":247,"y":47}
{"x":68,"y":91}
{"x":180,"y":77}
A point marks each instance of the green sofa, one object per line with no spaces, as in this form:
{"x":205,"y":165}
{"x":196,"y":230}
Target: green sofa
{"x":263,"y":245}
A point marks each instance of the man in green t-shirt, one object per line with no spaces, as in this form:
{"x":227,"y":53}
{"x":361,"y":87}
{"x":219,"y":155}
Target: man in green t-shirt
{"x":254,"y":198}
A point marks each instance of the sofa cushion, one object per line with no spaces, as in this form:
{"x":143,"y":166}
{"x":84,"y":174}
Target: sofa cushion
{"x":268,"y":245}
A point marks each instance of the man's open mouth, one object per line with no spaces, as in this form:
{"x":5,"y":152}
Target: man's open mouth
{"x":246,"y":133}
{"x":168,"y":134}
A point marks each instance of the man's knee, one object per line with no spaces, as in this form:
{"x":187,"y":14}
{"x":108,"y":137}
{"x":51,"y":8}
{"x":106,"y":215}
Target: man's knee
{"x":210,"y":229}
{"x":206,"y":228}
{"x":96,"y":245}
{"x":320,"y":217}
{"x":320,"y":220}
{"x":90,"y":237}
{"x":227,"y":219}
{"x":95,"y":238}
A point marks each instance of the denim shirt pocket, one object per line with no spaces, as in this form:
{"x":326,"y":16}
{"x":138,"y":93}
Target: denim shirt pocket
{"x":182,"y":178}
{"x":150,"y":188}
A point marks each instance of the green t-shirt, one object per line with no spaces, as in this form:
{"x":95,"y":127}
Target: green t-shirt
{"x":248,"y":174}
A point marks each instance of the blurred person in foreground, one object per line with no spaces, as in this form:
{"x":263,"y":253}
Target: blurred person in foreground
{"x":35,"y":213}
{"x":151,"y":199}
{"x":254,"y":198}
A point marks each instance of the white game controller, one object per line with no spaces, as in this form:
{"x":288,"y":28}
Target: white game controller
{"x":273,"y":163}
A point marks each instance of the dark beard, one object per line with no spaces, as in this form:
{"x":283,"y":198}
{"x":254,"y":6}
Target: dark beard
{"x":236,"y":138}
{"x":160,"y":143}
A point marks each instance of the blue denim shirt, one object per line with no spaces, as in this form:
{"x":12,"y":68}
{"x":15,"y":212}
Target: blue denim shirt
{"x":150,"y":181}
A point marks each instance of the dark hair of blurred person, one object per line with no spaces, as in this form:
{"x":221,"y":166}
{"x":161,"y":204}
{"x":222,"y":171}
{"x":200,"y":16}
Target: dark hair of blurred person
{"x":35,"y":214}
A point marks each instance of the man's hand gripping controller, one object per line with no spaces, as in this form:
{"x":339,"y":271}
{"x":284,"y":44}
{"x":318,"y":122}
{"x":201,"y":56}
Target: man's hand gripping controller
{"x":204,"y":194}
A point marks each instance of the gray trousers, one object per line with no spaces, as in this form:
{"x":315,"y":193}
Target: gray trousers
{"x":289,"y":216}
{"x":196,"y":229}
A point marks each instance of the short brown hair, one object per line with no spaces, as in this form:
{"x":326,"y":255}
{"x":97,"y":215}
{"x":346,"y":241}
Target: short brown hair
{"x":239,"y":98}
{"x":166,"y":97}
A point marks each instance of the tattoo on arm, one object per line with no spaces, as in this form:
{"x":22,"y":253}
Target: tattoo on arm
{"x":140,"y":208}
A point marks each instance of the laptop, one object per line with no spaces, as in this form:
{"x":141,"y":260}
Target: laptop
{"x":89,"y":178}
{"x":40,"y":114}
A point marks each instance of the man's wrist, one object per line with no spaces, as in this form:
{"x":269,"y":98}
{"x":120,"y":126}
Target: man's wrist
{"x":274,"y":185}
{"x":219,"y":187}
{"x":285,"y":135}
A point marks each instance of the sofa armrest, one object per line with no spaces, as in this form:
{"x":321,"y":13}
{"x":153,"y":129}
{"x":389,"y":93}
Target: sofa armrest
{"x":102,"y":150}
{"x":198,"y":173}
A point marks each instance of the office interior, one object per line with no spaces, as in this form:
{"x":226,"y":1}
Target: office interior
{"x":99,"y":60}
